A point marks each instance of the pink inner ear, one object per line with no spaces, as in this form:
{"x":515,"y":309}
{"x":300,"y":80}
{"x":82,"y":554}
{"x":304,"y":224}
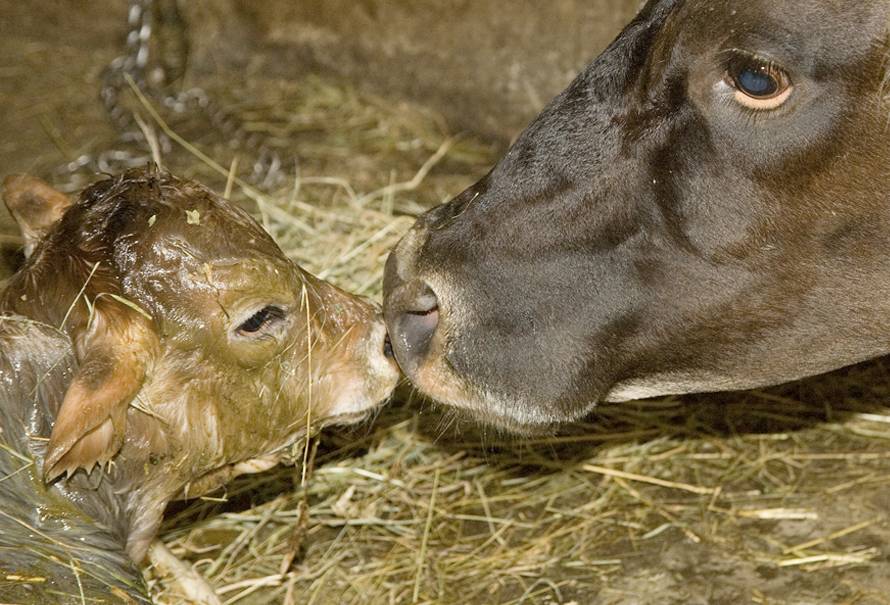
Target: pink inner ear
{"x":91,"y":423}
{"x":91,"y":449}
{"x":114,"y":349}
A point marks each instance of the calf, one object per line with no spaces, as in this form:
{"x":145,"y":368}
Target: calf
{"x":704,"y":208}
{"x":197,"y":352}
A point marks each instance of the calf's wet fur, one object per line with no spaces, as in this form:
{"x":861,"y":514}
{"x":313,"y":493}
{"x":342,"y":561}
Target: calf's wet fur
{"x":198,"y":350}
{"x":57,"y":540}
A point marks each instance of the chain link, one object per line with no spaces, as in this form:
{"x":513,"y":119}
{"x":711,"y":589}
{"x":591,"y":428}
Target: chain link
{"x":156,"y":58}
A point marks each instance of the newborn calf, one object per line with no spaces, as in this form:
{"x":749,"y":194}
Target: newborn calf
{"x":198,"y":352}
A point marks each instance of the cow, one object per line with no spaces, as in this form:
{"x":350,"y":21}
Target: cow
{"x":704,"y":208}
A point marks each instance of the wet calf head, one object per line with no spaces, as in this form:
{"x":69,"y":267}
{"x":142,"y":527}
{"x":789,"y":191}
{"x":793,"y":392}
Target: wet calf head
{"x":202,"y":351}
{"x":704,"y":208}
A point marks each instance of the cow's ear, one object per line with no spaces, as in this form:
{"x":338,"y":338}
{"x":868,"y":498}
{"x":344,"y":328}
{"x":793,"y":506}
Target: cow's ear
{"x":35,"y":206}
{"x":114,"y":352}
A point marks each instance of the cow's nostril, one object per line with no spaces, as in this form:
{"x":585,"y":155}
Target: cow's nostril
{"x":415,"y":331}
{"x":423,"y":303}
{"x":387,"y":347}
{"x":412,"y":316}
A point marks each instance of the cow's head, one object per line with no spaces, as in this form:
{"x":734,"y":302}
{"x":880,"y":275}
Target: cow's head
{"x":706,"y":207}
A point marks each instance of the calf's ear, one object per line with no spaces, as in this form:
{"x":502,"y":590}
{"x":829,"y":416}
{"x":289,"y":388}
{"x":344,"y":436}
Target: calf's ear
{"x":114,"y":352}
{"x":34,"y":205}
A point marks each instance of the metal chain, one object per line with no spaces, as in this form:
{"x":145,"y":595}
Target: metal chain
{"x":156,"y":56}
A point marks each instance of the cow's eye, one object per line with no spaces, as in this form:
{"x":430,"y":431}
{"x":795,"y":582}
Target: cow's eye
{"x":759,"y":85}
{"x":261,"y":321}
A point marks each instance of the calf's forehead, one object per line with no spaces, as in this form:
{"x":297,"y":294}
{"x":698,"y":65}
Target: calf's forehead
{"x":209,"y":227}
{"x":186,"y":250}
{"x":190,"y":226}
{"x":178,"y":273}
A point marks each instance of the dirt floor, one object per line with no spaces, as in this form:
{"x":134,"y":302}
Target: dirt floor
{"x":776,"y":496}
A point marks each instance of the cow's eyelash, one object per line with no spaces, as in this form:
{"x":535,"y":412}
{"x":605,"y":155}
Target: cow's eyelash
{"x":736,"y":56}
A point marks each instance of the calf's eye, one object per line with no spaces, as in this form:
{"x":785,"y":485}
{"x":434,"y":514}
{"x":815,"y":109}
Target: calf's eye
{"x":261,"y":320}
{"x":759,"y":85}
